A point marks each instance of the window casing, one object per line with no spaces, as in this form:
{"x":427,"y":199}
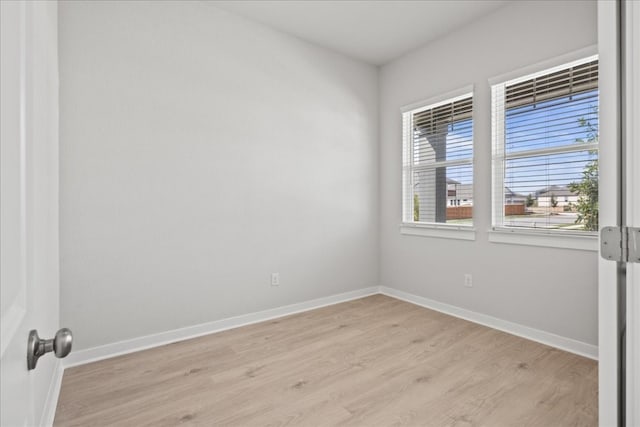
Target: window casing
{"x":438,"y":163}
{"x":545,"y":150}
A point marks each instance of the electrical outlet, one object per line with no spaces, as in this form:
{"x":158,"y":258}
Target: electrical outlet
{"x":275,"y":279}
{"x":468,"y":281}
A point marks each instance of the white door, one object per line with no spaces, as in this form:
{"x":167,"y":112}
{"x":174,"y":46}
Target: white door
{"x":29,"y":207}
{"x":619,"y":283}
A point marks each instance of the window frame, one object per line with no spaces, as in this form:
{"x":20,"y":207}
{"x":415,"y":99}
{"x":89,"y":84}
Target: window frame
{"x":499,"y":233}
{"x":434,"y":229}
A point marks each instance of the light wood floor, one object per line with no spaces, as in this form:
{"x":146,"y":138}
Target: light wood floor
{"x":372,"y":361}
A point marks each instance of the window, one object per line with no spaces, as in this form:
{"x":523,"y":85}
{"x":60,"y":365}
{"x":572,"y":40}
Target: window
{"x":545,"y":150}
{"x":438,"y":162}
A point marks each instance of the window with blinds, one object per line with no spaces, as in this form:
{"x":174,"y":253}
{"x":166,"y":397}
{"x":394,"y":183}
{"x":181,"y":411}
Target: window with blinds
{"x":438,"y":162}
{"x":545,"y":149}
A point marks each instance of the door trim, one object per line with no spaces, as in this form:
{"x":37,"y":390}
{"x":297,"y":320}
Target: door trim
{"x":608,"y":30}
{"x":632,"y":134}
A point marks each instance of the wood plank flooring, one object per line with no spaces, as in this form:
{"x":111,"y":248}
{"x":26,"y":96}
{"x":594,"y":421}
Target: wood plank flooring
{"x":369,"y":362}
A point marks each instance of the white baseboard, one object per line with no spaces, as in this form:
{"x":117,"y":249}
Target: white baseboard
{"x":149,"y":341}
{"x":563,"y":343}
{"x":50,"y":405}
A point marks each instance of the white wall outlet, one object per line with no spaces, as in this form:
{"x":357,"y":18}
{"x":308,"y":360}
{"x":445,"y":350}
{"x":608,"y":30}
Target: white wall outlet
{"x":468,"y":281}
{"x":275,"y":279}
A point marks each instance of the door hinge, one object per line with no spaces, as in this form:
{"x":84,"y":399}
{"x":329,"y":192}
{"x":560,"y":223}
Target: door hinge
{"x":620,"y":244}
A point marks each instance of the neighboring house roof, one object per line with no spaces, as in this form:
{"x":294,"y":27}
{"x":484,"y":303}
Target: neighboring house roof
{"x":555,"y":190}
{"x":512,"y":194}
{"x":452,"y":181}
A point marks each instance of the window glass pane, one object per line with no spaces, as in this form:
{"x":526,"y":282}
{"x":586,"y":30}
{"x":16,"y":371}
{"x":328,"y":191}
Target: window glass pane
{"x":453,"y":141}
{"x":443,"y":195}
{"x":530,"y":175}
{"x":553,"y":123}
{"x":543,"y":191}
{"x":460,"y":140}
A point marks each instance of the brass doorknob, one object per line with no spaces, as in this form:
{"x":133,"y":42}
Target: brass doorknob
{"x":60,"y":345}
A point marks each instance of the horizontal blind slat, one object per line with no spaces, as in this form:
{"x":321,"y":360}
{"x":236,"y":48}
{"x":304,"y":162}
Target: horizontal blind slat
{"x":573,"y":80}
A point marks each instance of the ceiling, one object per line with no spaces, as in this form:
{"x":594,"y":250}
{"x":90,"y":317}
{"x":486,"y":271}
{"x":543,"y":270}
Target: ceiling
{"x":375,"y":31}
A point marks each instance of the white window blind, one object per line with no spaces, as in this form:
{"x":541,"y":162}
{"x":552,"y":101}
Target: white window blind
{"x":545,"y":149}
{"x":438,"y":163}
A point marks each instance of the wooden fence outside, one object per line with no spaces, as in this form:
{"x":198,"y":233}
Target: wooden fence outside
{"x":463,"y":212}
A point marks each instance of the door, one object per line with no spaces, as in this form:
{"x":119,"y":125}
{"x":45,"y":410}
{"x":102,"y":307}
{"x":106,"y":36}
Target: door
{"x":28,"y":206}
{"x":619,"y":282}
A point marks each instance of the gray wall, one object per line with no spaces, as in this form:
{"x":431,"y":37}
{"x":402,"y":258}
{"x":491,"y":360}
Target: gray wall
{"x":199,"y":153}
{"x":554,"y":290}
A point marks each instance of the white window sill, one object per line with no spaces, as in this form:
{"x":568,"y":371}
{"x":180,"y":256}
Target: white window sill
{"x":441,"y":231}
{"x":548,"y":239}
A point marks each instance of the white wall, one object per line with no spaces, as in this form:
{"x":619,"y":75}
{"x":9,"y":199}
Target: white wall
{"x":554,"y":290}
{"x":199,"y":153}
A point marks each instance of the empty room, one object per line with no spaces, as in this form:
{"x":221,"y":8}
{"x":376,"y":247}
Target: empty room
{"x":319,"y":213}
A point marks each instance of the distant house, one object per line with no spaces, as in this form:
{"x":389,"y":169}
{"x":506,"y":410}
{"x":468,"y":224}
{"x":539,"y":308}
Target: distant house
{"x":462,"y":195}
{"x":459,"y":194}
{"x":562,"y":195}
{"x":513,"y":198}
